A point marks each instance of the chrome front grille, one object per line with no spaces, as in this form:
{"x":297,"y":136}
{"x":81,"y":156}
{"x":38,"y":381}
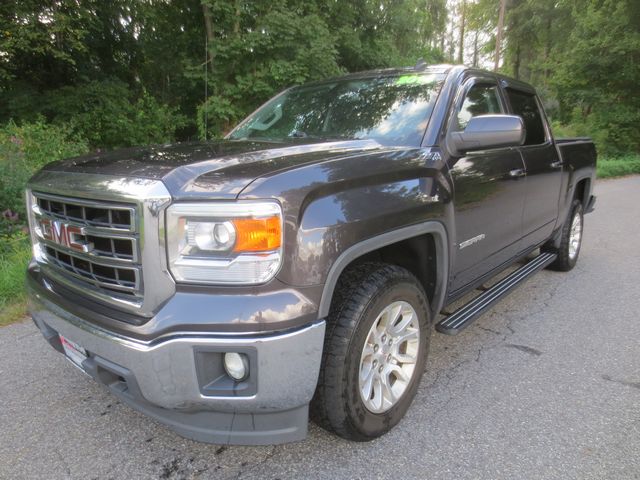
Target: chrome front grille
{"x":90,"y":245}
{"x":87,"y":213}
{"x":118,"y":279}
{"x":101,"y":237}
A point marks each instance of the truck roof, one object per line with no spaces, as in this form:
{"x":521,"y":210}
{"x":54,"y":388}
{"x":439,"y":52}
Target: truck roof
{"x":421,"y":67}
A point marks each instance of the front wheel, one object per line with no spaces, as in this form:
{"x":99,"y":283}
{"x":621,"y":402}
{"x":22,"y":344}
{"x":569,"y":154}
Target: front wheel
{"x":570,"y":239}
{"x":375,"y":351}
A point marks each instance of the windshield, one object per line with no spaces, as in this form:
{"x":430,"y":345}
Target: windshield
{"x":392,"y":110}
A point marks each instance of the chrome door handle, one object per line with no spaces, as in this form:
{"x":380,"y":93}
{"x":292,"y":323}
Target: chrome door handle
{"x":518,"y":172}
{"x":557,"y":164}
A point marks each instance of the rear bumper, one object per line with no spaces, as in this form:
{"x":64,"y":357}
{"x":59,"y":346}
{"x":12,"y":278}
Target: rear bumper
{"x":179,"y":380}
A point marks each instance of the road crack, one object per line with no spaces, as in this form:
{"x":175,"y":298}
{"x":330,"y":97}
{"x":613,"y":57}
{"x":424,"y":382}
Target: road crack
{"x":262,"y":462}
{"x":626,"y":383}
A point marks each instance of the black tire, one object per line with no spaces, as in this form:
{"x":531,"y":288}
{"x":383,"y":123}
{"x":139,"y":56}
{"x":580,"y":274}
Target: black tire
{"x":361,"y":294}
{"x":565,"y":260}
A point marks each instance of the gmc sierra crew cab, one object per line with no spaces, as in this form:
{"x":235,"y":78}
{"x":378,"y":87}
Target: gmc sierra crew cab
{"x":231,"y":289}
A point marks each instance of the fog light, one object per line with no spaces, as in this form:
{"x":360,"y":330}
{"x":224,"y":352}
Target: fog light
{"x":236,"y":365}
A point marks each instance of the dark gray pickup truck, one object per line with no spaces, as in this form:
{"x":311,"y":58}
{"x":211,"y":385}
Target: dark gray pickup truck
{"x":230,"y":288}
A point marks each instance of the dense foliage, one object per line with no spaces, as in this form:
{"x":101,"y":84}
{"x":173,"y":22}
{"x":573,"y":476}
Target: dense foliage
{"x":23,"y":150}
{"x":127,"y":72}
{"x":584,"y":58}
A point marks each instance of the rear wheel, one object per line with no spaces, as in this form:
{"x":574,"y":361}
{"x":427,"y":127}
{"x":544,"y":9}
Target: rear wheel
{"x":570,"y":239}
{"x":375,"y":352}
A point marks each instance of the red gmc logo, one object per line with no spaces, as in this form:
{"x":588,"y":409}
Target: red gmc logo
{"x":66,"y":235}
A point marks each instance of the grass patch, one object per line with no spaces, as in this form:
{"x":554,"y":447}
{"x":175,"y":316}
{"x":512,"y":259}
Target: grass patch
{"x":13,"y":312}
{"x":23,"y":150}
{"x":14,"y":258}
{"x":618,"y":167}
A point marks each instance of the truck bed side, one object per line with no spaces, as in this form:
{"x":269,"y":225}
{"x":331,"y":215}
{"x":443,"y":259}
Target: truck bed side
{"x":579,"y":171}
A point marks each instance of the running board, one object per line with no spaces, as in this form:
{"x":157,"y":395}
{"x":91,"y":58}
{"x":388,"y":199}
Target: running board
{"x":457,"y":321}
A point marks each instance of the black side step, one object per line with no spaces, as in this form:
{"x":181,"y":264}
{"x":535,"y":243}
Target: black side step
{"x":457,"y":321}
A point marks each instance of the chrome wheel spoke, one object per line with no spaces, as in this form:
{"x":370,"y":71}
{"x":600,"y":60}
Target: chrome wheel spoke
{"x":387,"y":392}
{"x":382,"y":323}
{"x":367,"y":384}
{"x":394,"y":315}
{"x":399,"y":373}
{"x":575,"y":236}
{"x":404,"y":358}
{"x":389,"y":356}
{"x":407,"y":335}
{"x":405,"y":321}
{"x":376,"y":400}
{"x":368,"y":350}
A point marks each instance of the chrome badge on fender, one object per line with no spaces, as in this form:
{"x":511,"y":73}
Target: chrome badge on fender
{"x":471,"y":241}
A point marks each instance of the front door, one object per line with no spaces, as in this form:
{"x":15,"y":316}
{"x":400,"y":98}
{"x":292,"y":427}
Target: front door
{"x":489,"y":189}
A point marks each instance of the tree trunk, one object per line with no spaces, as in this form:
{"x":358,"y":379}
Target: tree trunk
{"x":208,"y":24}
{"x":547,"y":52}
{"x":475,"y":49}
{"x":236,"y":21}
{"x":452,"y":42}
{"x":516,"y":62}
{"x":499,"y":34}
{"x":462,"y":21}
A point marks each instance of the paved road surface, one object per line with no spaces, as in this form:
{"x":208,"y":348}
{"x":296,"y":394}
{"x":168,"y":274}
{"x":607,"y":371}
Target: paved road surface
{"x":546,"y":385}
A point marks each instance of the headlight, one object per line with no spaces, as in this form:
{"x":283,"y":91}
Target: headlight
{"x":224,"y":243}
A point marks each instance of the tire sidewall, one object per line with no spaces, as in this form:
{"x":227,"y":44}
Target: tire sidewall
{"x":368,"y":424}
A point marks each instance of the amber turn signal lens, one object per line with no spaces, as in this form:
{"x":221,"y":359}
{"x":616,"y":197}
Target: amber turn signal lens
{"x":257,"y":234}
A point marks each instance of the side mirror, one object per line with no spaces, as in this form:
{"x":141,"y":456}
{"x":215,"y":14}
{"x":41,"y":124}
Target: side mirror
{"x":489,"y":131}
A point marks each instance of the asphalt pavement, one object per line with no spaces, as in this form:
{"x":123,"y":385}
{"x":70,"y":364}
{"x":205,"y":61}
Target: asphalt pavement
{"x":545,"y":386}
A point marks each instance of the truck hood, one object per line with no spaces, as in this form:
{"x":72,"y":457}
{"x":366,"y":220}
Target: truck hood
{"x":220,"y":169}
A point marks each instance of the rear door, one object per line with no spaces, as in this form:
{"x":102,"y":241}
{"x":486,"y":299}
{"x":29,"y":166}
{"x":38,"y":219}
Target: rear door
{"x":489,"y":190}
{"x":543,"y":168}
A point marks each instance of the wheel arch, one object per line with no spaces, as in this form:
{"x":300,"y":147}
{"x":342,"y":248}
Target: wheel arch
{"x":582,"y":190}
{"x":579,"y":188}
{"x":379,"y":243}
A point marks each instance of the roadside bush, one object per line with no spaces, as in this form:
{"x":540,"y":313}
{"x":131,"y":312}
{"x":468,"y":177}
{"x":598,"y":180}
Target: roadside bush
{"x":614,"y":136}
{"x":108,"y":114}
{"x":618,"y":167}
{"x":15,"y":252}
{"x":613,"y":129}
{"x":23,"y":150}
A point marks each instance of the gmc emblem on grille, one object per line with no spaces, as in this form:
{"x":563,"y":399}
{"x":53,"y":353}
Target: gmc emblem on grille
{"x":69,"y":236}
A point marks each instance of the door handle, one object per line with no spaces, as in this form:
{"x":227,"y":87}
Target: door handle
{"x":557,"y":164}
{"x":517,"y":173}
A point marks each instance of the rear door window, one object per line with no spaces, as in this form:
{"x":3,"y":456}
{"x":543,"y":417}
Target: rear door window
{"x":526,"y":106}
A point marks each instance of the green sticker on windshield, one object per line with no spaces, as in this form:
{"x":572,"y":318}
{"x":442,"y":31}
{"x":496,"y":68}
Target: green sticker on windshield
{"x":414,"y":79}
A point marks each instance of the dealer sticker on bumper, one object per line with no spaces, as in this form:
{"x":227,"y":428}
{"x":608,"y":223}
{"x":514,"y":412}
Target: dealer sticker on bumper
{"x":74,"y":352}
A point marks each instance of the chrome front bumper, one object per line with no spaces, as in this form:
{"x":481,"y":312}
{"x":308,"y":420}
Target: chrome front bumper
{"x":178,"y":381}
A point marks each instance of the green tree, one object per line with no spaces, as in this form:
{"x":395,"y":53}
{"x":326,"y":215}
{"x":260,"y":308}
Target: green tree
{"x":597,"y":79}
{"x":176,"y":65}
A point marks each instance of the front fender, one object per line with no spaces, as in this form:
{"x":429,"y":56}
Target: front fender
{"x":331,"y":224}
{"x":354,"y":204}
{"x":359,"y":249}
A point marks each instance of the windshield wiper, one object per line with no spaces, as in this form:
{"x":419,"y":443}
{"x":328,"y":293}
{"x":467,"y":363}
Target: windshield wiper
{"x":332,"y":136}
{"x":299,"y":134}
